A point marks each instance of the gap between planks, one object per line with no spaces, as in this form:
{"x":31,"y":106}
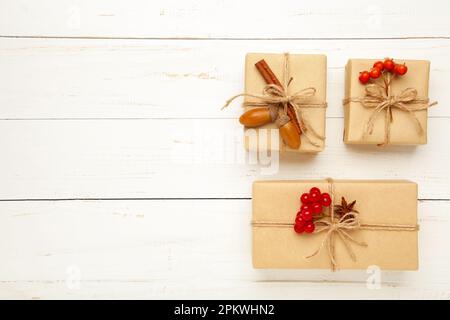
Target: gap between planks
{"x":256,"y":281}
{"x":155,"y":199}
{"x":161,"y":118}
{"x":222,"y":38}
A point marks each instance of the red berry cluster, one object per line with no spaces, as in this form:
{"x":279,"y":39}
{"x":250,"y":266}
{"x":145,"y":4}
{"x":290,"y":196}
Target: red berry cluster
{"x":312,"y":205}
{"x":388,"y":65}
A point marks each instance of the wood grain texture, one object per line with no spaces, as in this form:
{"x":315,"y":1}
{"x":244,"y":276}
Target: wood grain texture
{"x":173,"y":79}
{"x":120,"y":100}
{"x":182,"y":249}
{"x":224,"y":19}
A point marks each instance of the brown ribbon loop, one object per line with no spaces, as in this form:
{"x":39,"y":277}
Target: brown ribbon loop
{"x":379,"y":98}
{"x":274,"y":95}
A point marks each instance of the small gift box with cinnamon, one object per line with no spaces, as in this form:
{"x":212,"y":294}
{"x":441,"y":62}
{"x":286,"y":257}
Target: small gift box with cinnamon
{"x":284,"y":94}
{"x":336,"y":224}
{"x":386,"y":101}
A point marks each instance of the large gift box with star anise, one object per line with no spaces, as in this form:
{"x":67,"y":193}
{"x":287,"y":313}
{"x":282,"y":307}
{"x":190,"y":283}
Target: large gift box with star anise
{"x":373,"y":223}
{"x":386,"y":106}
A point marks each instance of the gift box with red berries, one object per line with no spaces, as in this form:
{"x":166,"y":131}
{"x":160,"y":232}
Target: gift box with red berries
{"x":337,"y":224}
{"x":386,"y":101}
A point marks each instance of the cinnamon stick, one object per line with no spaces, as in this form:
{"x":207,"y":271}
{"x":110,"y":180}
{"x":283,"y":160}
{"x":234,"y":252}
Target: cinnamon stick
{"x":267,"y":73}
{"x":271,"y":78}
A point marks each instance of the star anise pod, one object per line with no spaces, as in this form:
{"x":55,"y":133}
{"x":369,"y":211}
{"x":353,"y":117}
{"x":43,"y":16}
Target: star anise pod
{"x":344,"y":208}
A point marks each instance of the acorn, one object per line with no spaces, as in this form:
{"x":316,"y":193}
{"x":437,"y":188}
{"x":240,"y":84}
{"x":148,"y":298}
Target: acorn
{"x":256,"y":117}
{"x":290,"y":136}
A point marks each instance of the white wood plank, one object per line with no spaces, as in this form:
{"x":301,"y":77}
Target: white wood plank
{"x":289,"y":290}
{"x":182,"y":249}
{"x":190,"y":159}
{"x":224,"y":19}
{"x":57,"y":78}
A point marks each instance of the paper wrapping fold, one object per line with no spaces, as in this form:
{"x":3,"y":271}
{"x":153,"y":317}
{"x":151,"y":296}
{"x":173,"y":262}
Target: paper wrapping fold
{"x":307,"y":71}
{"x":377,"y":201}
{"x":403,"y":128}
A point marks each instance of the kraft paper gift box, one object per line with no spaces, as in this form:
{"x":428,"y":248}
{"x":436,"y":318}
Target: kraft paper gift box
{"x":403,"y":129}
{"x":306,"y":71}
{"x":386,"y":202}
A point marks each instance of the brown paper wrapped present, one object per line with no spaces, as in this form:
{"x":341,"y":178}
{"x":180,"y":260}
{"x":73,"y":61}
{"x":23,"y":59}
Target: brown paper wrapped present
{"x":293,"y":88}
{"x":400,"y":118}
{"x":384,"y":233}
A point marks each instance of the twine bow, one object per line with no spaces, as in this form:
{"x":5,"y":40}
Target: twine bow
{"x":348,"y":222}
{"x":342,"y":228}
{"x":379,"y":97}
{"x":277,"y":97}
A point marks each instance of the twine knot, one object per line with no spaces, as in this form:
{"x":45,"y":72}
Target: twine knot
{"x":392,"y":100}
{"x":273,"y":94}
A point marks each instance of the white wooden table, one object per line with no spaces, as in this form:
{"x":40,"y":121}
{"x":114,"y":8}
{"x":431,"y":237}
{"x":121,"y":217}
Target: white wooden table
{"x":105,"y":106}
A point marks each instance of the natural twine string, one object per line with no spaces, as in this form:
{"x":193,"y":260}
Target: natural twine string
{"x":340,"y":227}
{"x":276,"y":96}
{"x":379,"y":97}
